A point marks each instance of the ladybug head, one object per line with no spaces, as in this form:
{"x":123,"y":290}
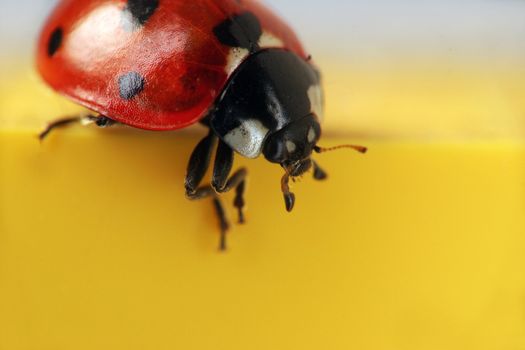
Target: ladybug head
{"x":292,"y":146}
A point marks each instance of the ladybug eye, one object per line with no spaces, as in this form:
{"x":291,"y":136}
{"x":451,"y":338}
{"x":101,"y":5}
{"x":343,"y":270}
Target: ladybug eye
{"x":274,"y":150}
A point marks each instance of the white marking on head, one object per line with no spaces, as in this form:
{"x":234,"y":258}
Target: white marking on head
{"x":235,"y":58}
{"x":311,"y":135}
{"x":248,"y":138}
{"x":290,"y":146}
{"x":315,"y":94}
{"x":268,"y":40}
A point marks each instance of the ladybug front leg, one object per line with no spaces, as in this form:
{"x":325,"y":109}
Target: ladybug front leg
{"x":198,"y":164}
{"x":197,"y":167}
{"x":100,"y":121}
{"x":220,"y":181}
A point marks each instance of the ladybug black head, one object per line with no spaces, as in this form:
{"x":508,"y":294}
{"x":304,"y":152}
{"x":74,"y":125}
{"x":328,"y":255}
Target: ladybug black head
{"x":293,"y":145}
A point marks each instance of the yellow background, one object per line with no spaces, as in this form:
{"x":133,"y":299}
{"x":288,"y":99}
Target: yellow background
{"x":416,"y":245}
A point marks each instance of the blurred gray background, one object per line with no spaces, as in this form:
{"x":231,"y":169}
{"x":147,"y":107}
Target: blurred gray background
{"x":363,"y":29}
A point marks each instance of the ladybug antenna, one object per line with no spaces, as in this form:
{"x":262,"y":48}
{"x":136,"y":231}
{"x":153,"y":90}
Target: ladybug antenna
{"x":360,"y":149}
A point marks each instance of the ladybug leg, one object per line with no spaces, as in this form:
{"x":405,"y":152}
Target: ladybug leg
{"x":197,"y":167}
{"x":55,"y":124}
{"x":104,"y":122}
{"x":223,"y":222}
{"x":237,"y":181}
{"x":319,"y":173}
{"x":238,"y":202}
{"x":101,"y":121}
{"x":199,"y":163}
{"x":220,"y":181}
{"x":208,"y":191}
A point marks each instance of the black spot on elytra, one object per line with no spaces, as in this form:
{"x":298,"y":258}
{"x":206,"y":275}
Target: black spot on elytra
{"x":242,"y":30}
{"x":55,"y":40}
{"x":139,"y":11}
{"x":130,"y":85}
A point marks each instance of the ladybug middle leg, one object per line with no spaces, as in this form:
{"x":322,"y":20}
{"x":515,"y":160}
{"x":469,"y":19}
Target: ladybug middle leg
{"x":319,"y":173}
{"x":221,"y":180}
{"x":100,"y":121}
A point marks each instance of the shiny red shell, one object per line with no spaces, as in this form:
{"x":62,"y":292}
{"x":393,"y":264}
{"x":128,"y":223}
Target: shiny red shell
{"x":185,"y":67}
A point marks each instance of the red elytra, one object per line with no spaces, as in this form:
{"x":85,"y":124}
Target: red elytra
{"x":88,"y":45}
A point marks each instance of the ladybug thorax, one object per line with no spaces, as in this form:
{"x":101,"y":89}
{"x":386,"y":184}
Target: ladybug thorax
{"x":271,"y":92}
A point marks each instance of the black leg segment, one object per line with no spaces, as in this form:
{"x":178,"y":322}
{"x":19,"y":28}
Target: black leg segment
{"x":238,"y":202}
{"x":237,"y":181}
{"x":208,"y":192}
{"x":222,"y":167}
{"x":221,"y":182}
{"x":104,"y":122}
{"x":223,"y":222}
{"x":319,"y":173}
{"x":100,"y":121}
{"x":199,"y":163}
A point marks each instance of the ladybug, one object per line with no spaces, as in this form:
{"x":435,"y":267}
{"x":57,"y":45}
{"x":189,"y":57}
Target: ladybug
{"x":231,"y":65}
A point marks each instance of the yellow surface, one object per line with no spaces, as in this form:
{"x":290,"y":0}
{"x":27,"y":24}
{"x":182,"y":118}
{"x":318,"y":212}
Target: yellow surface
{"x":417,"y":245}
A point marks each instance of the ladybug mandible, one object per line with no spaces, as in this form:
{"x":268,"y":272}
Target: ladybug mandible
{"x":232,"y":65}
